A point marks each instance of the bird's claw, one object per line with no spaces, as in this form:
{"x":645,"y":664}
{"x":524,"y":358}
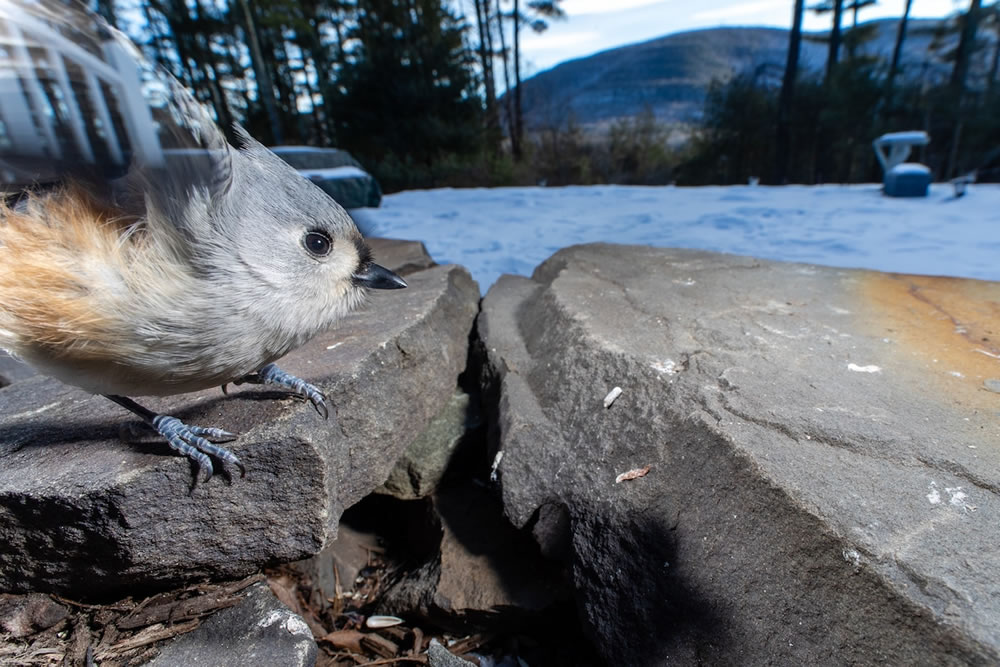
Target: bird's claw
{"x":194,"y":442}
{"x":271,"y":374}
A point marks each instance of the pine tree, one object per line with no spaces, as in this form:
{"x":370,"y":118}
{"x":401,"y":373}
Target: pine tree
{"x":407,"y":90}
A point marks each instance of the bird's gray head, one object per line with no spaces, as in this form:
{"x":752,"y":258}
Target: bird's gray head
{"x":305,"y":262}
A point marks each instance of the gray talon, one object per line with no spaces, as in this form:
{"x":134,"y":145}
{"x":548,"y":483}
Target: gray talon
{"x":192,"y":441}
{"x":318,"y":401}
{"x":271,"y":374}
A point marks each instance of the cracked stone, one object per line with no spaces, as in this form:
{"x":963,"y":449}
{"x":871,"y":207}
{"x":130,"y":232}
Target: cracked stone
{"x":812,"y":490}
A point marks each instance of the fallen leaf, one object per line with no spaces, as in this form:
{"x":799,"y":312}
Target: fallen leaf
{"x":635,"y":473}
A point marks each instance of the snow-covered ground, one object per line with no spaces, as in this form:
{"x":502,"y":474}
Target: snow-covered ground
{"x":512,"y":230}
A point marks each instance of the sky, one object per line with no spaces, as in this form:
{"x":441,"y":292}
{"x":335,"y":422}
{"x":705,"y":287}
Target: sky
{"x":512,"y":230}
{"x":598,"y":25}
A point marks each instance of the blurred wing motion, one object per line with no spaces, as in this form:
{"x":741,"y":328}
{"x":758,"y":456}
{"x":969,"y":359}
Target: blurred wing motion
{"x":78,"y":100}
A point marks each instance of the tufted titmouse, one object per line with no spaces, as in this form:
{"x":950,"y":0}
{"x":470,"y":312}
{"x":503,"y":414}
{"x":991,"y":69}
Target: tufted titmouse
{"x":141,"y":253}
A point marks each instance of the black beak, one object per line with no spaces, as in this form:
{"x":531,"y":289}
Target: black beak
{"x":374,"y":276}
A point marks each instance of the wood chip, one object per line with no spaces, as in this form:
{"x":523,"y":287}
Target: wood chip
{"x":349,"y":640}
{"x":166,"y":607}
{"x":380,"y":646}
{"x":180,"y":610}
{"x":80,"y":641}
{"x":635,"y":473}
{"x":470,"y":643}
{"x":418,"y":641}
{"x":397,"y":634}
{"x":150,"y":635}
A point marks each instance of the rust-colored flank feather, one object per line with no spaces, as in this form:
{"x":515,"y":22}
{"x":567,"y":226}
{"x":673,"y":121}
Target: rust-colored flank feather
{"x":63,"y":258}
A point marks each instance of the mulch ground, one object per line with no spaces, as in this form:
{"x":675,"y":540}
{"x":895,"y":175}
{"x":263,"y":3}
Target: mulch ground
{"x":131,"y":631}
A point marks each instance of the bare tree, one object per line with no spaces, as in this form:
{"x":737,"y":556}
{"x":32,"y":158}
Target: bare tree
{"x":542,"y":10}
{"x":486,"y":55}
{"x":835,"y":38}
{"x":995,"y":63}
{"x":265,"y":89}
{"x":505,"y":55}
{"x":897,"y":50}
{"x":966,"y":46}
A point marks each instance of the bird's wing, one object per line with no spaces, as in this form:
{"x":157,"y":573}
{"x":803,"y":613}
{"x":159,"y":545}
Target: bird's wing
{"x":78,"y":100}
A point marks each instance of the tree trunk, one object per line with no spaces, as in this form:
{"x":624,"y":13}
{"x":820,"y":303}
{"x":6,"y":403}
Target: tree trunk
{"x":834,"y":50}
{"x":313,"y":42}
{"x":283,"y":78}
{"x":897,"y":51}
{"x":509,"y":93}
{"x":787,"y":95}
{"x":966,"y":45}
{"x":265,"y":89}
{"x":483,"y":21}
{"x":992,"y":81}
{"x":518,"y":134}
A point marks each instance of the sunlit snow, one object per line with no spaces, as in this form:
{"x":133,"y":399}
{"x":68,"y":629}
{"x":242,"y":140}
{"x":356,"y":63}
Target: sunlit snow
{"x":512,"y":230}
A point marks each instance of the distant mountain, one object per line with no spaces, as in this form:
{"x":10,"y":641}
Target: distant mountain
{"x":671,"y":74}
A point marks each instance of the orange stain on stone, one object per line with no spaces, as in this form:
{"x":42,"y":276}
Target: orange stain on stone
{"x":947,"y":328}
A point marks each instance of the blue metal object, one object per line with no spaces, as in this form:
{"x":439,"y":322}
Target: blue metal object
{"x":907,"y":180}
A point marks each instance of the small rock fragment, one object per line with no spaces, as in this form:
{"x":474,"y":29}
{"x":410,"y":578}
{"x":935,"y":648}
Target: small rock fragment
{"x":439,"y":656}
{"x":992,"y":384}
{"x":23,"y":615}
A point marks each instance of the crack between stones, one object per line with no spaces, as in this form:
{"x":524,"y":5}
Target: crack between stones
{"x":790,"y":433}
{"x":926,"y":585}
{"x":963,"y":473}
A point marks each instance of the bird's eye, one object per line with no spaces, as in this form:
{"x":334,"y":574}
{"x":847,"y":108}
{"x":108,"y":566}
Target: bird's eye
{"x":317,"y":243}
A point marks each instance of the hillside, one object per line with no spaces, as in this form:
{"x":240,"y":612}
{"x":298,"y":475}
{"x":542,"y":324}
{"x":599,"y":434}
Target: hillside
{"x":671,"y":74}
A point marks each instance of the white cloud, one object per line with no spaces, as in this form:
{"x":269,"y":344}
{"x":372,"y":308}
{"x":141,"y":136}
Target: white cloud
{"x":593,"y":26}
{"x":547,"y":41}
{"x":580,"y":7}
{"x":740,"y":10}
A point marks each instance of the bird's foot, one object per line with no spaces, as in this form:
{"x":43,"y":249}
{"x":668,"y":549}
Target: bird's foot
{"x":195,"y":442}
{"x":271,"y":374}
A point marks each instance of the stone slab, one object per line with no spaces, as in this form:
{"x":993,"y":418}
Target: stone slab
{"x":405,"y":257}
{"x":82,"y":513}
{"x":423,"y":465}
{"x":823,"y":481}
{"x":12,"y":370}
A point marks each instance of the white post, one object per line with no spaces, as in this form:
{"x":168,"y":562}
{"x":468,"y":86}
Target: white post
{"x":101,"y":109}
{"x":76,"y":123}
{"x":26,"y":72}
{"x":135,"y":111}
{"x":16,"y":116}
